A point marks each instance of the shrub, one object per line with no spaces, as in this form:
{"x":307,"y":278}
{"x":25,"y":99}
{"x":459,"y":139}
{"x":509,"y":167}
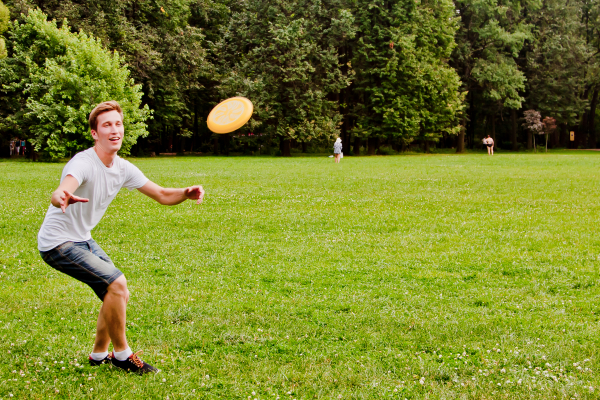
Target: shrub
{"x":60,"y":76}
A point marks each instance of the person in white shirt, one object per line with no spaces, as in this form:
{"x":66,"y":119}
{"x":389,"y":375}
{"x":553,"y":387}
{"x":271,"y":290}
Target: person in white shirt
{"x":89,"y":182}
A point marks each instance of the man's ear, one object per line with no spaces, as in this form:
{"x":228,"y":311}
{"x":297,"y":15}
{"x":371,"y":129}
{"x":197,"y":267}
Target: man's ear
{"x":94,"y":134}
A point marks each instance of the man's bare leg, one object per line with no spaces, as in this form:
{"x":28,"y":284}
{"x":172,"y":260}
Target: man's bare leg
{"x":112,"y":317}
{"x":102,"y":337}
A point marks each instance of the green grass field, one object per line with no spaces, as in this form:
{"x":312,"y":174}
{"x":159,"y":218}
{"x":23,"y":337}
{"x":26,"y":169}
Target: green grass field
{"x":417,"y":277}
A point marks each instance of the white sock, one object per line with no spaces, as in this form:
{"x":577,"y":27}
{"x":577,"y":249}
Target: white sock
{"x":123,"y":355}
{"x":99,"y":356}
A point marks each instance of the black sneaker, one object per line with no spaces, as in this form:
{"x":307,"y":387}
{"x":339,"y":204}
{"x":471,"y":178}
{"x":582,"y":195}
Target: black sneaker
{"x":95,"y":363}
{"x":133,"y":364}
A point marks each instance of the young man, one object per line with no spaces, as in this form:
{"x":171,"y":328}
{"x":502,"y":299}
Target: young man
{"x":89,"y":182}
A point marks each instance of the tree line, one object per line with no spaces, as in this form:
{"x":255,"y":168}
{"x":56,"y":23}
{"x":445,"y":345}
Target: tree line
{"x":384,"y":75}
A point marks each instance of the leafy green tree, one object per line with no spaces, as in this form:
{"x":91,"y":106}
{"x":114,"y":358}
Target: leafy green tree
{"x":491,"y":36}
{"x":58,"y":77}
{"x":4,"y":18}
{"x":557,"y":59}
{"x":404,"y":88}
{"x":163,"y":45}
{"x":282,"y":55}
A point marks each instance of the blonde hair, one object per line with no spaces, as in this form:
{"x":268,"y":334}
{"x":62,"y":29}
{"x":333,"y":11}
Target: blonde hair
{"x":101,"y":108}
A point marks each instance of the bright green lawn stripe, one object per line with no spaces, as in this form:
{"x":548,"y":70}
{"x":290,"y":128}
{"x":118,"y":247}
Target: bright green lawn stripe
{"x":298,"y":275}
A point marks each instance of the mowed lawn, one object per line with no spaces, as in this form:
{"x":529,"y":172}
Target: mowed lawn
{"x":438,"y":276}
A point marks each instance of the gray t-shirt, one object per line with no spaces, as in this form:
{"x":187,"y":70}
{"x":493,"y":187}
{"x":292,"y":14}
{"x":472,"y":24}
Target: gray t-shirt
{"x":100,"y":185}
{"x":337,"y":147}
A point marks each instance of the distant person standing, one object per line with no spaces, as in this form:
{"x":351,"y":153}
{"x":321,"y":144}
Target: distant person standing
{"x":489,"y":142}
{"x":18,"y":145}
{"x":337,"y":150}
{"x":23,"y":146}
{"x":12,"y":147}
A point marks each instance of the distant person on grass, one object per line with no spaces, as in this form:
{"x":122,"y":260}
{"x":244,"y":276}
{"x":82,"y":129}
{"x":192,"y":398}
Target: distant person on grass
{"x":89,"y":182}
{"x":337,"y":150}
{"x":489,"y":142}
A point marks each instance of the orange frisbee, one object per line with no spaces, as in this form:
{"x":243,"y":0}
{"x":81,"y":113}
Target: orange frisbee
{"x":229,"y":115}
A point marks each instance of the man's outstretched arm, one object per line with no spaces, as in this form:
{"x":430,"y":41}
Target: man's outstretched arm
{"x":170,"y":197}
{"x":63,"y":195}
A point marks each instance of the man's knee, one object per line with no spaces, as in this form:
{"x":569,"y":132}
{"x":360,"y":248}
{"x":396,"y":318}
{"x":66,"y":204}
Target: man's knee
{"x":119,"y":288}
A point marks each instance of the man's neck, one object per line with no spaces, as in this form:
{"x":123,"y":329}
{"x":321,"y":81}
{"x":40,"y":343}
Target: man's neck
{"x":106,"y":158}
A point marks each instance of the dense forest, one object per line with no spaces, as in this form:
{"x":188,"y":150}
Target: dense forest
{"x":384,"y":75}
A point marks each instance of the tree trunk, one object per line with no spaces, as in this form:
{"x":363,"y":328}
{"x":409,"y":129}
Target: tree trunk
{"x":372,"y":146}
{"x":581,"y":133}
{"x":564,"y":135}
{"x":556,"y":138}
{"x":471,"y":123}
{"x":216,"y":145}
{"x":529,"y":138}
{"x":581,"y":137}
{"x":225,"y":141}
{"x":460,"y":140}
{"x":494,"y":128}
{"x":305,"y":147}
{"x":196,"y":132}
{"x":357,"y":146}
{"x":426,"y":146}
{"x":513,"y":132}
{"x":592,"y":120}
{"x":284,"y":145}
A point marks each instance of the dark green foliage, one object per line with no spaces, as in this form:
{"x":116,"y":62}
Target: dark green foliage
{"x":283,"y":56}
{"x":397,"y":73}
{"x":404,"y":87}
{"x":4,"y":18}
{"x":52,"y":80}
{"x":161,"y":43}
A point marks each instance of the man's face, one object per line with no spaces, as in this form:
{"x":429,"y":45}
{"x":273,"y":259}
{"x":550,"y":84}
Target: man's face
{"x":109,"y":132}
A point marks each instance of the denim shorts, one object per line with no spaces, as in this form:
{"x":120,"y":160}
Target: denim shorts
{"x":84,"y":261}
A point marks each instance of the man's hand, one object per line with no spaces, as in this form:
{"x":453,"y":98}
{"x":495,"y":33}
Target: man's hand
{"x":66,"y":198}
{"x":194,"y":193}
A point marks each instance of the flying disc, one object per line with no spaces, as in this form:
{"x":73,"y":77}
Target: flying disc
{"x":229,"y":115}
